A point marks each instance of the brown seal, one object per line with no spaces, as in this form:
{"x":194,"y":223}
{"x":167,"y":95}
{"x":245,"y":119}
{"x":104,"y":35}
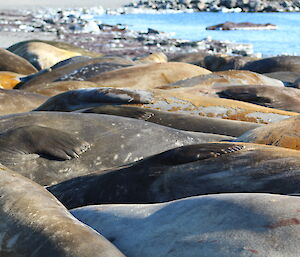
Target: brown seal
{"x":42,"y":55}
{"x":175,"y":101}
{"x":15,"y":101}
{"x":14,"y":63}
{"x":285,"y":133}
{"x":148,"y":76}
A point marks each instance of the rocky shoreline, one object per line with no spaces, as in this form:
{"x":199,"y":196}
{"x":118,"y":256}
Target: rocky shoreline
{"x":212,"y":6}
{"x":78,"y":27}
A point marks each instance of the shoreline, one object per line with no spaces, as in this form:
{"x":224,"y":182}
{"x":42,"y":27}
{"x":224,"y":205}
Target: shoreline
{"x":75,"y":27}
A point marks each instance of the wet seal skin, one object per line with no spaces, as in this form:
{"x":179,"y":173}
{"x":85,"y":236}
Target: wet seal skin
{"x":113,"y":141}
{"x":221,"y":225}
{"x":34,"y":223}
{"x":188,"y":171}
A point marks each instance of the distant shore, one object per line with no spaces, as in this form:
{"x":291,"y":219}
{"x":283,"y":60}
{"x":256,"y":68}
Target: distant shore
{"x":35,"y":4}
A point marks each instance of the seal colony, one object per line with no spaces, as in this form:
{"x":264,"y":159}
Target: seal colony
{"x":163,"y":157}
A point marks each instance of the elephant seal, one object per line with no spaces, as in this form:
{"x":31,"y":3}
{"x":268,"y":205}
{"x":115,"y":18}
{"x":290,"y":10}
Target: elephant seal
{"x":287,"y":99}
{"x":64,"y":70}
{"x":34,"y":223}
{"x":287,"y":77}
{"x":175,"y":101}
{"x":187,"y":171}
{"x":148,"y":75}
{"x":55,"y":88}
{"x":176,"y":120}
{"x":226,"y":225}
{"x":8,"y":79}
{"x":114,"y":141}
{"x":158,"y":57}
{"x":274,"y":64}
{"x":42,"y":55}
{"x":14,"y":63}
{"x":58,"y":44}
{"x":15,"y":101}
{"x":285,"y":133}
{"x":225,"y":78}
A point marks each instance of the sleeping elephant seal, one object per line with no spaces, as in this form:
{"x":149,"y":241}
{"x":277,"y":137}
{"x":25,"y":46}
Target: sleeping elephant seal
{"x":113,"y":141}
{"x":286,"y":98}
{"x":274,"y":64}
{"x":148,"y":76}
{"x":187,"y":171}
{"x":15,"y":101}
{"x":65,"y":70}
{"x":226,"y":225}
{"x":173,"y":100}
{"x":55,"y":88}
{"x":34,"y":223}
{"x":176,"y":120}
{"x":14,"y":63}
{"x":285,"y":133}
{"x":42,"y":55}
{"x":59,"y":44}
{"x":113,"y":101}
{"x":224,"y":78}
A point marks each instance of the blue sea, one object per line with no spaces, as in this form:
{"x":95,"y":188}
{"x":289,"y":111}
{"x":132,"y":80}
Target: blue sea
{"x":191,"y":26}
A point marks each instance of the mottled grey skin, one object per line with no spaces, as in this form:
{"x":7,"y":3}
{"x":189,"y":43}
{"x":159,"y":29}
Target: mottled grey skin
{"x":14,"y":63}
{"x":114,"y":141}
{"x":15,"y":101}
{"x":188,"y":171}
{"x":287,"y":99}
{"x":56,"y":73}
{"x":225,"y":225}
{"x":33,"y":223}
{"x":178,"y":121}
{"x":274,"y":64}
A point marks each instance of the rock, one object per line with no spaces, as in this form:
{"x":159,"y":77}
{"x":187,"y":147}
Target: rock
{"x":241,"y":26}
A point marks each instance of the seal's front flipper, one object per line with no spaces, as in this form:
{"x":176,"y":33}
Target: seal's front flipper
{"x":47,"y":142}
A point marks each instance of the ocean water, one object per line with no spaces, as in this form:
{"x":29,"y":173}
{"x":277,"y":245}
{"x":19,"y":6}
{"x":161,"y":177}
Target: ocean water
{"x":191,"y":26}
